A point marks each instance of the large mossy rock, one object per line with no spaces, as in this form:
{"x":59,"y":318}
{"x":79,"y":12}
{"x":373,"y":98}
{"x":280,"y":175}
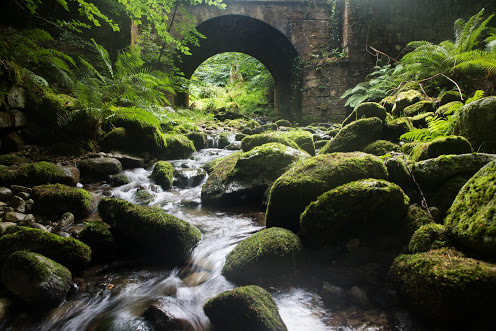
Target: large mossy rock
{"x":361,"y":209}
{"x":245,"y":177}
{"x":395,"y":128}
{"x":476,"y":122}
{"x":419,"y":108}
{"x":245,"y":308}
{"x":69,"y":252}
{"x":432,"y":173}
{"x":36,"y":279}
{"x":471,"y":219}
{"x":427,"y":237}
{"x":450,"y":107}
{"x":150,"y":230}
{"x":98,"y":237}
{"x":381,"y":147}
{"x":39,"y":173}
{"x":303,"y":139}
{"x":135,"y":137}
{"x":56,"y":199}
{"x":366,"y":110}
{"x":260,"y":139}
{"x":269,"y":253}
{"x":442,"y":146}
{"x":448,"y":288}
{"x":405,"y":99}
{"x":199,"y":139}
{"x":303,"y":183}
{"x":163,"y":174}
{"x":355,"y":136}
{"x":99,"y":168}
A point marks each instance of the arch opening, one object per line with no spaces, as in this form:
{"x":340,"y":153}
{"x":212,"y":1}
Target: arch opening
{"x":237,"y":33}
{"x":234,"y":81}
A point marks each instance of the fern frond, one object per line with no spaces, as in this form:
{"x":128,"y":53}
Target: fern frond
{"x":476,"y":60}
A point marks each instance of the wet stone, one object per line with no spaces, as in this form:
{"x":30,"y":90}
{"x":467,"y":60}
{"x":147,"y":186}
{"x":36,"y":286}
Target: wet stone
{"x":5,"y":194}
{"x":24,"y":195}
{"x":28,"y":221}
{"x":65,"y":220}
{"x":40,"y":227}
{"x":19,"y":188}
{"x":29,"y":204}
{"x":14,"y":217}
{"x":18,"y":204}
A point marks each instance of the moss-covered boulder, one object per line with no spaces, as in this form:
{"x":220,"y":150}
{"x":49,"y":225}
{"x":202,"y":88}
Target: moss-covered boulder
{"x":189,"y":177}
{"x":451,"y":96}
{"x":99,"y":238}
{"x":396,"y":127}
{"x":245,"y":308}
{"x":150,"y":230}
{"x":269,"y":253}
{"x":471,"y":219}
{"x":285,"y":123}
{"x":427,"y":237}
{"x":12,"y":159}
{"x":441,"y":146}
{"x":177,"y":146}
{"x":199,"y":139}
{"x":415,"y":218}
{"x":419,"y":108}
{"x":56,"y":199}
{"x":355,"y":136}
{"x":304,"y":182}
{"x":366,"y":110}
{"x":449,"y":108}
{"x":434,"y":172}
{"x":442,"y":197}
{"x":36,"y":279}
{"x":360,"y":209}
{"x":303,"y":139}
{"x":447,"y":287}
{"x":69,"y":252}
{"x":260,"y":139}
{"x":99,"y":168}
{"x":265,"y":128}
{"x":163,"y":174}
{"x":405,"y":99}
{"x":381,"y":147}
{"x":238,"y":179}
{"x":39,"y":173}
{"x":388,"y":103}
{"x":420,"y":121}
{"x":476,"y":122}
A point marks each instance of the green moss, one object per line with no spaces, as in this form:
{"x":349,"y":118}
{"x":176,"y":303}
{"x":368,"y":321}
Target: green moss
{"x":451,"y":96}
{"x":177,"y":146}
{"x":143,"y":197}
{"x":378,"y":208}
{"x":304,"y":182}
{"x":199,"y":139}
{"x":471,"y":218}
{"x":405,"y":99}
{"x":37,"y":173}
{"x":56,"y":199}
{"x":69,"y":252}
{"x":303,"y":139}
{"x":36,"y":279}
{"x":415,"y":218}
{"x":268,"y":253}
{"x":397,"y":127}
{"x":285,"y":123}
{"x":98,"y":236}
{"x":427,"y":237}
{"x":448,"y":287}
{"x":150,"y":230}
{"x":476,"y":123}
{"x":355,"y":137}
{"x":450,"y":107}
{"x":381,"y":147}
{"x":419,"y":108}
{"x":162,"y":174}
{"x":116,"y":139}
{"x":244,"y":308}
{"x":369,"y":110}
{"x":264,"y":138}
{"x":388,"y":103}
{"x":420,"y":121}
{"x":441,"y":146}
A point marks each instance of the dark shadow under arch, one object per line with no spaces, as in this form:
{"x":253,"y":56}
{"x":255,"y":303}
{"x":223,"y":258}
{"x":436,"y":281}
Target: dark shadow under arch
{"x":236,"y":33}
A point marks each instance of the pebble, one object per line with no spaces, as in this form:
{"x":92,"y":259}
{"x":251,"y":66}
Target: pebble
{"x":65,"y":220}
{"x":12,"y":216}
{"x":24,"y":195}
{"x":29,"y":204}
{"x":28,"y":221}
{"x":19,"y":188}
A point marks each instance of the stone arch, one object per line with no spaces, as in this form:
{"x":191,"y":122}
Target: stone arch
{"x":237,"y":33}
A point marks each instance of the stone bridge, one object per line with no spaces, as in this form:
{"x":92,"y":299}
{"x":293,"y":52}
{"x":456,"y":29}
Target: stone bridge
{"x":315,"y":52}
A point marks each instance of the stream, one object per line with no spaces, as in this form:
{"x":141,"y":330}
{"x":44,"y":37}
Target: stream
{"x":113,"y":297}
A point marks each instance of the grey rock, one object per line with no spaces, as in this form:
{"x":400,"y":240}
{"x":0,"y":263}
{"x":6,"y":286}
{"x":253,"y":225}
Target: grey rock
{"x":14,"y":217}
{"x":17,"y":98}
{"x":28,"y":221}
{"x":5,"y":194}
{"x":18,"y":204}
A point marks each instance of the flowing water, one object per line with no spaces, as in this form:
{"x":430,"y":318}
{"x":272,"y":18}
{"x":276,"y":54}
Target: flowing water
{"x":113,"y":297}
